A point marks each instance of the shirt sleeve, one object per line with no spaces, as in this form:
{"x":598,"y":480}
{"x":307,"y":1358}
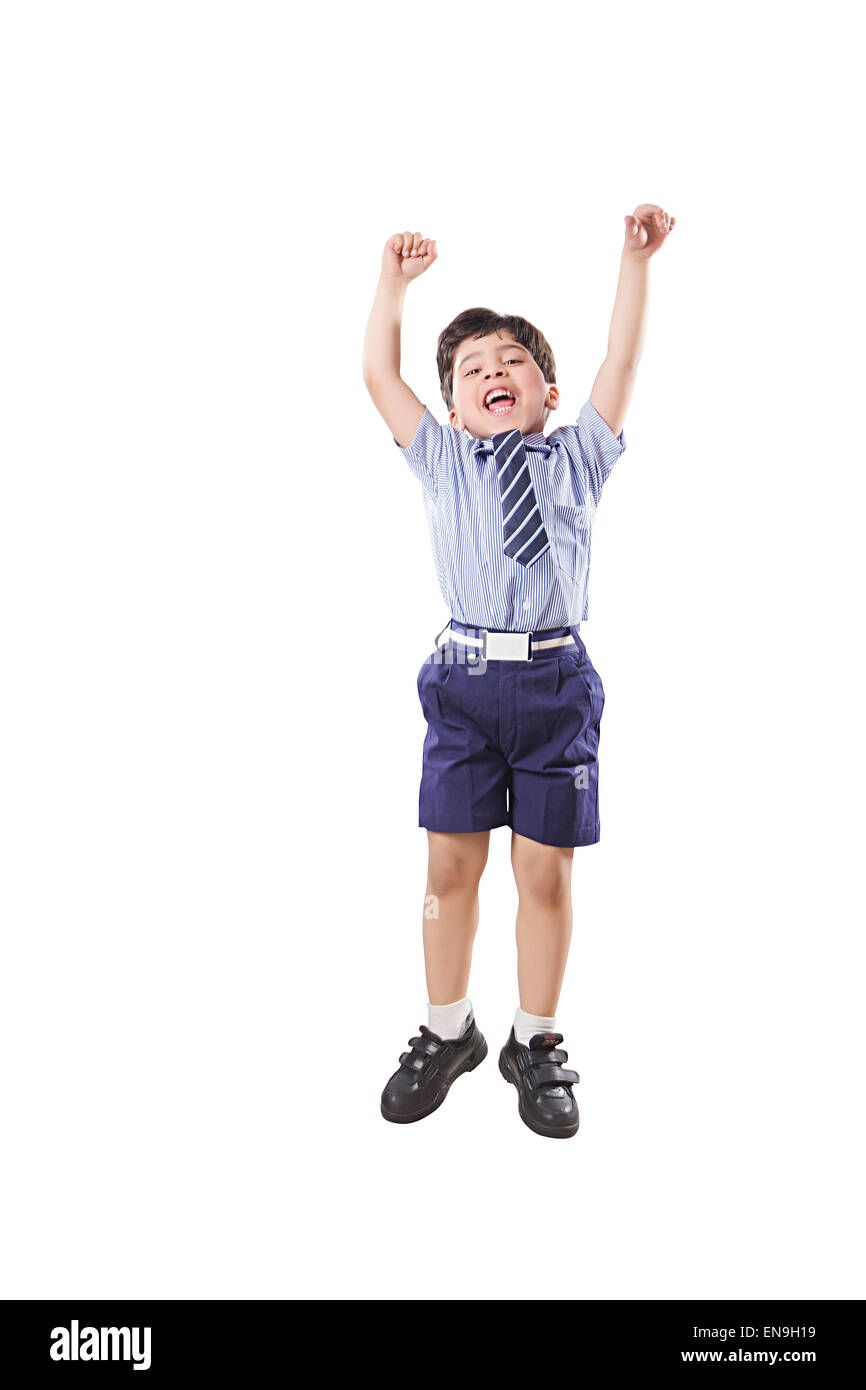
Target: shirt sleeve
{"x":593,"y":448}
{"x":429,"y":454}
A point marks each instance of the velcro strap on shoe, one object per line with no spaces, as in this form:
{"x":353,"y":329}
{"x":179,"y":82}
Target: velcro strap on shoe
{"x":420,"y":1063}
{"x":548,"y":1074}
{"x":413,"y":1061}
{"x":553,"y":1054}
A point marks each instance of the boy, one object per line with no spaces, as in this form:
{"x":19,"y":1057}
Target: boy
{"x":512,"y":702}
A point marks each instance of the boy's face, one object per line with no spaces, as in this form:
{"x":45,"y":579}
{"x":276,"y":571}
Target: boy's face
{"x":497,"y":362}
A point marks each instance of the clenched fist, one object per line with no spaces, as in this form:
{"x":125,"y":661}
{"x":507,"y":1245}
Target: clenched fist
{"x":407,"y":255}
{"x":646,"y":229}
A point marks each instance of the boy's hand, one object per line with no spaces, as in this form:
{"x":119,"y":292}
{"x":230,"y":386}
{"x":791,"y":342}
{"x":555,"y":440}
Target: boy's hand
{"x":647,"y":229}
{"x":407,"y":255}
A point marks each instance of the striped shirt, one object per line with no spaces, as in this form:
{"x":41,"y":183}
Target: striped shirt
{"x":480,"y":584}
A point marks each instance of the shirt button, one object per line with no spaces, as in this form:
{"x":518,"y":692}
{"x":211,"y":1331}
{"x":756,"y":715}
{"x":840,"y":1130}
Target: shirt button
{"x":526,"y":604}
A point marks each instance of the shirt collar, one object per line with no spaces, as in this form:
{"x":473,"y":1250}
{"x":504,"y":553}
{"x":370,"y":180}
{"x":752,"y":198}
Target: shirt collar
{"x":536,"y":440}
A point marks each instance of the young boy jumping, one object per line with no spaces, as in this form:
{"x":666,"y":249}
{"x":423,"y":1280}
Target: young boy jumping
{"x":512,"y":701}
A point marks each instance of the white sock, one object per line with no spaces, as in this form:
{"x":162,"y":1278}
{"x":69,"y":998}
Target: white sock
{"x":527,"y":1025}
{"x":449,"y":1021}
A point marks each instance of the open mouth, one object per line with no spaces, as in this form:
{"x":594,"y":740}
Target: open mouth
{"x":499,"y":401}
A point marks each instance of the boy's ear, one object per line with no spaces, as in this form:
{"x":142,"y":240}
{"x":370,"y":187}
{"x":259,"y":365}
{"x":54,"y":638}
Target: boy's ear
{"x":458,"y":424}
{"x":552,"y":397}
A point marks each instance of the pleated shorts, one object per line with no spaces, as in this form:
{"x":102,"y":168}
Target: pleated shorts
{"x":512,"y":742}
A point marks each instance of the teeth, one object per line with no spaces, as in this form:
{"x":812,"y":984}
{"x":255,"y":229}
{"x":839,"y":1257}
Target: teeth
{"x":496,"y":395}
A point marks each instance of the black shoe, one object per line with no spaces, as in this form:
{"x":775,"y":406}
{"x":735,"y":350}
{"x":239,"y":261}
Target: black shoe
{"x":543,"y":1085}
{"x":424,"y":1077}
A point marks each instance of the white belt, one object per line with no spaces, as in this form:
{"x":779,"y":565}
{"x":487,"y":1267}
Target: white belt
{"x":504,"y":646}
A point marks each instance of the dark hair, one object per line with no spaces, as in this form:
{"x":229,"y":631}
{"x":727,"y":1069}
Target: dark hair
{"x":477,"y":323}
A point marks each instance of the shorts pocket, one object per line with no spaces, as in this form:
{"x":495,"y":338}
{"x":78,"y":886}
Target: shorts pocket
{"x":436,"y":665}
{"x":593,"y":680}
{"x":579,"y":660}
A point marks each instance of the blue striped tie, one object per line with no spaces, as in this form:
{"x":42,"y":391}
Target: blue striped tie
{"x":525,"y":536}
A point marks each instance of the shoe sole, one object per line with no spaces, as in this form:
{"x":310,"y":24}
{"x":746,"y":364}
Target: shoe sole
{"x":469,"y":1065}
{"x":531,"y":1123}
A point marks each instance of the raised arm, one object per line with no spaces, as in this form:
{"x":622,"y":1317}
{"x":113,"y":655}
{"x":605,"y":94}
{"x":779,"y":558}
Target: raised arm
{"x":406,"y":256}
{"x":646,"y":230}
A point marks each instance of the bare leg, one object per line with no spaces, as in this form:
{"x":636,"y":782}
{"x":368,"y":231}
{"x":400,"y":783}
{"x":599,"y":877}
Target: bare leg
{"x":543,"y":877}
{"x":451,"y":911}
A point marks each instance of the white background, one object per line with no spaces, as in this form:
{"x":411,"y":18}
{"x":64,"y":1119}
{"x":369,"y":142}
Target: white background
{"x":217,"y":592}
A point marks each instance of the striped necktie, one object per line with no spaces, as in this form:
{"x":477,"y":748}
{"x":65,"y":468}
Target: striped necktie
{"x":525,"y":536}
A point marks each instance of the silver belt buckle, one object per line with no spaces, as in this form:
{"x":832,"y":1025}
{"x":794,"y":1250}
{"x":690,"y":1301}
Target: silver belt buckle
{"x":510,"y":646}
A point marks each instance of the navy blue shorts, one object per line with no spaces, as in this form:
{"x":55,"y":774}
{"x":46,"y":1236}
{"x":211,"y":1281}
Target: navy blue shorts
{"x":512,"y":743}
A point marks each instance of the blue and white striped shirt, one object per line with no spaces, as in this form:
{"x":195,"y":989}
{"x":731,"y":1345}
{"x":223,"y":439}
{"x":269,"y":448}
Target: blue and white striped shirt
{"x":480,"y":584}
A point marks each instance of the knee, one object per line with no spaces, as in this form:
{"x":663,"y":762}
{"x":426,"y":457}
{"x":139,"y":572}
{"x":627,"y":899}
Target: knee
{"x":449,"y":871}
{"x":547,"y":882}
